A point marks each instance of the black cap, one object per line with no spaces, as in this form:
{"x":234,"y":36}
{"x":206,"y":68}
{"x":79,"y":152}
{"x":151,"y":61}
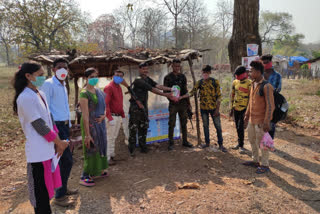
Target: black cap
{"x":143,"y":64}
{"x":240,"y":70}
{"x":207,"y":69}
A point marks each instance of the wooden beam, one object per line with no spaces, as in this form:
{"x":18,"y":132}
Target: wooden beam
{"x":195,"y":100}
{"x":76,"y":93}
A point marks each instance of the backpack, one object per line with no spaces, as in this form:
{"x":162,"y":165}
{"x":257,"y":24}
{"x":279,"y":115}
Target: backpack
{"x":280,"y":103}
{"x":213,"y":84}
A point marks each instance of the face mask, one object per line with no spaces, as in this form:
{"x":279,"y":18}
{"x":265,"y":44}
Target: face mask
{"x":267,"y":66}
{"x":117,"y":79}
{"x":242,"y":76}
{"x":39,"y":81}
{"x":93,"y":81}
{"x":62,"y":74}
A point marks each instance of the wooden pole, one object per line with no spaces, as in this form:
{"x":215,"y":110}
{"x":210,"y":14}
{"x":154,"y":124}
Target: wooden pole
{"x":195,"y":100}
{"x":68,"y":86}
{"x":76,"y":87}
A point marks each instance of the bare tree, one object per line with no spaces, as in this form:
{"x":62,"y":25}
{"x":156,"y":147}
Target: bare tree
{"x":223,"y":20}
{"x":245,"y":30}
{"x":151,"y":26}
{"x":103,"y":31}
{"x":131,"y":12}
{"x":176,"y":8}
{"x":195,"y":20}
{"x":7,"y":34}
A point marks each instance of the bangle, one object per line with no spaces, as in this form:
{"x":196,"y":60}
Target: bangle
{"x":87,"y":136}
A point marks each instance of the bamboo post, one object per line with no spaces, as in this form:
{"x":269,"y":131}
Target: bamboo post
{"x":195,"y":100}
{"x":76,"y":87}
{"x":68,"y":86}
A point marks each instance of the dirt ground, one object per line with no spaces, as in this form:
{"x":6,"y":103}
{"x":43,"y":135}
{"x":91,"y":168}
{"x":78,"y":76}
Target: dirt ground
{"x":149,"y":183}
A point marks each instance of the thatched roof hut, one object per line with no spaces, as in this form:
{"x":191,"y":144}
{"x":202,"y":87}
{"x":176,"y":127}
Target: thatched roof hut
{"x":111,"y":61}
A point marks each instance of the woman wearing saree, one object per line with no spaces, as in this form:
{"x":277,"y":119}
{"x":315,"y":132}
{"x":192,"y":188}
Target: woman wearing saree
{"x":93,"y":130}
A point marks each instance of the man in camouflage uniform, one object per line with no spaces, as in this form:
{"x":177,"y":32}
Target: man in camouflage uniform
{"x":139,"y":107}
{"x":177,"y":78}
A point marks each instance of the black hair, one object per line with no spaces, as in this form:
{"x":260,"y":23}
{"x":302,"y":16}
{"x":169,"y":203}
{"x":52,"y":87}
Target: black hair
{"x":266,"y":57}
{"x":176,"y":60}
{"x":59,"y":60}
{"x":206,"y":69}
{"x":89,"y":71}
{"x":118,"y":71}
{"x":257,"y":65}
{"x":143,"y":64}
{"x":20,"y":81}
{"x":240,"y":70}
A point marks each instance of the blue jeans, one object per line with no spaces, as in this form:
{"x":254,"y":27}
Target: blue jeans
{"x":216,"y":122}
{"x":66,"y":160}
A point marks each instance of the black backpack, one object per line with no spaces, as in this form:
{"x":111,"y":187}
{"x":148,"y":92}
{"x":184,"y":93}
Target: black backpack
{"x":280,"y":103}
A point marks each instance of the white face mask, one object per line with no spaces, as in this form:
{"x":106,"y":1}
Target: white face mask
{"x":62,"y":74}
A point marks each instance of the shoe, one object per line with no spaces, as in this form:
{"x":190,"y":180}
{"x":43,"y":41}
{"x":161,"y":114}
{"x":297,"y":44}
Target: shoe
{"x":243,"y":150}
{"x":205,"y":145}
{"x":103,"y":175}
{"x":72,"y":191}
{"x":63,"y":201}
{"x":86,"y":181}
{"x":236,"y":147}
{"x":262,"y":169}
{"x":170,"y":147}
{"x":222,"y":148}
{"x":251,"y":163}
{"x":187,"y":144}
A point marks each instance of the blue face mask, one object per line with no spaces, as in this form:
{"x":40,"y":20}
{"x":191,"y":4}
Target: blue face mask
{"x":117,"y":79}
{"x":93,"y":81}
{"x":39,"y":81}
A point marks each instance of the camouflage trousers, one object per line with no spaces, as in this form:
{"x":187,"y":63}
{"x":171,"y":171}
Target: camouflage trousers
{"x":138,"y":122}
{"x":181,"y":109}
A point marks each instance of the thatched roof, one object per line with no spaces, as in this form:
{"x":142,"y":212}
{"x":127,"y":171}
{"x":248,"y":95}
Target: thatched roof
{"x":109,"y":62}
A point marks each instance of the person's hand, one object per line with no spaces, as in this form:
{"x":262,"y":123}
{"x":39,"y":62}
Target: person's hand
{"x":231,"y":112}
{"x":87,"y":141}
{"x":60,"y":146}
{"x":100,"y":119}
{"x":112,"y":123}
{"x":246,"y":121}
{"x":216,"y":113}
{"x":266,"y":126}
{"x":171,"y":97}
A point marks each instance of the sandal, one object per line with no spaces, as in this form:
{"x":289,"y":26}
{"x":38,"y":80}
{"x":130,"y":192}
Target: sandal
{"x":87,"y":181}
{"x":262,"y":169}
{"x":251,"y":163}
{"x":103,"y":175}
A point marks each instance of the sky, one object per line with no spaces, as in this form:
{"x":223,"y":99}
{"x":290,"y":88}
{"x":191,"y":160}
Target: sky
{"x":305,"y":13}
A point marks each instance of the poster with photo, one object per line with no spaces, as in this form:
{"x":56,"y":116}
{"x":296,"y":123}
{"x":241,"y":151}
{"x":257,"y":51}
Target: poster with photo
{"x":252,"y":49}
{"x":247,"y":60}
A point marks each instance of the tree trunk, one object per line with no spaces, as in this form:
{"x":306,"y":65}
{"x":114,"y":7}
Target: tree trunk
{"x":245,"y":30}
{"x":195,"y":101}
{"x":7,"y":47}
{"x":176,"y":29}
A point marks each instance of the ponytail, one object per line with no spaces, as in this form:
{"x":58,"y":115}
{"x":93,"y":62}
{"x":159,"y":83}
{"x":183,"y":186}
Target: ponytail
{"x":20,"y":81}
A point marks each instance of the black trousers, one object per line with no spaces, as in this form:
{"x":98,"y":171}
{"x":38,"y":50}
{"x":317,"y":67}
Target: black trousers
{"x":40,"y":190}
{"x":239,"y":120}
{"x":66,"y":160}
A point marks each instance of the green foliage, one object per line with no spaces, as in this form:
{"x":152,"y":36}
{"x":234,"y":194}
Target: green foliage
{"x":275,"y":26}
{"x":288,"y":46}
{"x":44,"y":25}
{"x":316,"y":54}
